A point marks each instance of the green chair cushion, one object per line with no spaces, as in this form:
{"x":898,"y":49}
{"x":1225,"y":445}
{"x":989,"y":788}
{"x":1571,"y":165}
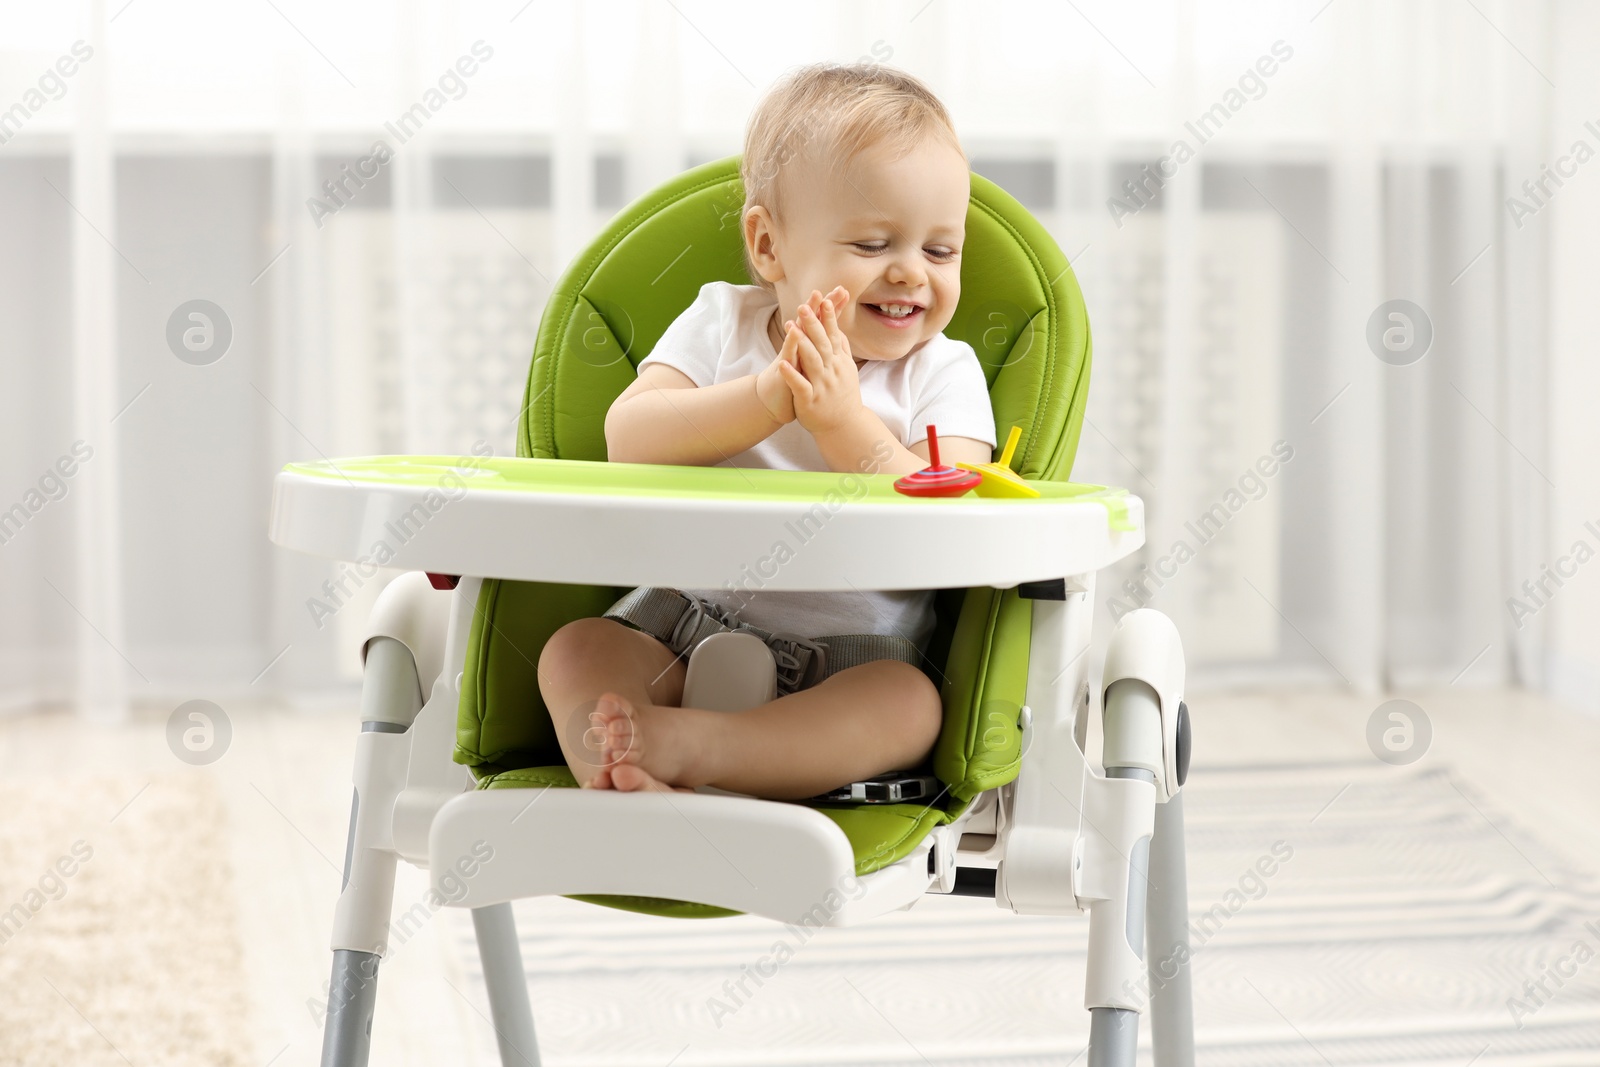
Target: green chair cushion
{"x":1022,"y":312}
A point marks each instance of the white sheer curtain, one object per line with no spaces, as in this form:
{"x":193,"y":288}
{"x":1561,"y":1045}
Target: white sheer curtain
{"x":1230,"y":302}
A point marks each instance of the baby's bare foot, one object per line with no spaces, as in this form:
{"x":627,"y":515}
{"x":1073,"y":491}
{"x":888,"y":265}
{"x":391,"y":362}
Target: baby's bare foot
{"x":627,"y":778}
{"x":648,"y":746}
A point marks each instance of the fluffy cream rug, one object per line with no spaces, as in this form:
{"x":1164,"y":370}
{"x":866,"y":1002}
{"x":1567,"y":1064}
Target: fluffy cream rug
{"x":118,"y":936}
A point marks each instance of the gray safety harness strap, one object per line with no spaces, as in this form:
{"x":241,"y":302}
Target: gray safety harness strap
{"x":682,"y":620}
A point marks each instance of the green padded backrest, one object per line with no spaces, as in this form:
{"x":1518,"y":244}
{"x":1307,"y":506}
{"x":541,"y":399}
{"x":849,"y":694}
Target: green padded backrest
{"x":1022,"y":312}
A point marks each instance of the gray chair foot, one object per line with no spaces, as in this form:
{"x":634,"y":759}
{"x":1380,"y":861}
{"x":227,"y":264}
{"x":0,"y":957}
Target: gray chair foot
{"x":1113,"y":1037}
{"x":508,"y":985}
{"x":352,"y":994}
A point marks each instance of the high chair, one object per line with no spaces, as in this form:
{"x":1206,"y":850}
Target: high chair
{"x":1024,"y":818}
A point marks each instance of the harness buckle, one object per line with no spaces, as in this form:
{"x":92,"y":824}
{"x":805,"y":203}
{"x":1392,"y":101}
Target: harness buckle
{"x":794,"y":672}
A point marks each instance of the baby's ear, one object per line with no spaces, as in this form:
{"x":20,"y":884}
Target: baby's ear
{"x":760,"y":253}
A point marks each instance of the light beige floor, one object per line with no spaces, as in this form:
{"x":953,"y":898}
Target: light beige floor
{"x":282,"y":792}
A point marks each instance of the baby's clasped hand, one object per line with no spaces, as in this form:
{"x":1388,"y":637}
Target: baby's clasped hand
{"x":817,"y":366}
{"x":772,"y":386}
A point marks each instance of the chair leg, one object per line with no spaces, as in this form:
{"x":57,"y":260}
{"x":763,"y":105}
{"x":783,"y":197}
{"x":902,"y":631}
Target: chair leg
{"x":1132,"y":744}
{"x":1114,"y":1032}
{"x":509,"y":1009}
{"x":390,"y":700}
{"x":1167,"y":911}
{"x":352,"y":995}
{"x":1113,"y":1037}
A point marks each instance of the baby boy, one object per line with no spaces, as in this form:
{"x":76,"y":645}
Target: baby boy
{"x":856,"y":192}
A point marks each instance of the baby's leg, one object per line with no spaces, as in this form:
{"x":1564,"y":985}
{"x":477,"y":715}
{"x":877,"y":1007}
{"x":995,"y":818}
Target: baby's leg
{"x":879,"y":716}
{"x":588,"y":657}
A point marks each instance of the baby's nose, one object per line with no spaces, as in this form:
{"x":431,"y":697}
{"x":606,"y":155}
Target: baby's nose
{"x":905,"y":270}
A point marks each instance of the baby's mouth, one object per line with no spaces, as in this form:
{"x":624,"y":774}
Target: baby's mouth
{"x":896,"y":316}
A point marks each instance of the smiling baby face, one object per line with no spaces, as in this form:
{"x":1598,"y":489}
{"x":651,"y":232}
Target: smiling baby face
{"x":887,"y":225}
{"x":854,"y":177}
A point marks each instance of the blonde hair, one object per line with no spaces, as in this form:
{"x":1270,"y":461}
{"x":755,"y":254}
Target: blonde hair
{"x":834,"y":111}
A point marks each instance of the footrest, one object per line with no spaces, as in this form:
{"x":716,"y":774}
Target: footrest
{"x":781,"y":861}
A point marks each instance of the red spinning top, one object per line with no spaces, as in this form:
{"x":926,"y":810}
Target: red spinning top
{"x":936,"y":479}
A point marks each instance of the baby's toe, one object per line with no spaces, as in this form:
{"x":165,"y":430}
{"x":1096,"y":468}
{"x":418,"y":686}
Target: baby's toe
{"x":594,"y":738}
{"x":622,"y":743}
{"x":621,"y":733}
{"x":631,"y":779}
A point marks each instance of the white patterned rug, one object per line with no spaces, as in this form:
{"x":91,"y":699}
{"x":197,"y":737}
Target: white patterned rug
{"x":1411,"y":923}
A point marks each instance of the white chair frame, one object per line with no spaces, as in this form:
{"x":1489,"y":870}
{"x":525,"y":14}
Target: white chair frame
{"x":1064,"y":837}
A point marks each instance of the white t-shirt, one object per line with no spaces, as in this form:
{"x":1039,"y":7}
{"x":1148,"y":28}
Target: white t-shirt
{"x":722,"y":337}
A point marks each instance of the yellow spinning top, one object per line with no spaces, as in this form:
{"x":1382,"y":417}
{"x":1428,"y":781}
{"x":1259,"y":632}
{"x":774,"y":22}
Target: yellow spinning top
{"x":998,"y":478}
